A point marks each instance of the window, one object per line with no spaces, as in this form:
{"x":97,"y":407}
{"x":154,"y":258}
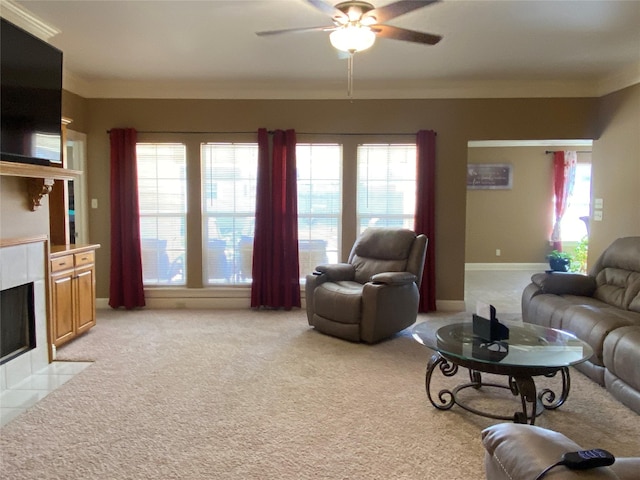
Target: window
{"x":386,"y":189}
{"x":162,"y":196}
{"x":229,"y":179}
{"x":572,"y":227}
{"x":319,"y":168}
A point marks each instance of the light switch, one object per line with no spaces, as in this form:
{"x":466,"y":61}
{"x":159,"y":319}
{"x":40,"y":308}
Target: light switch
{"x":598,"y":203}
{"x":94,"y":203}
{"x":597,"y":215}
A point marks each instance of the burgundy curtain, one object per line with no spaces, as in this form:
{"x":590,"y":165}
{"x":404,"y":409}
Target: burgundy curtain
{"x":276,"y":277}
{"x":125,"y":281}
{"x":425,"y":213}
{"x":262,"y":259}
{"x":564,"y":175}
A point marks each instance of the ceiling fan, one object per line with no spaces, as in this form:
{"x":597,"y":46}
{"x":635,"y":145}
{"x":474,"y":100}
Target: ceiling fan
{"x":356,"y":24}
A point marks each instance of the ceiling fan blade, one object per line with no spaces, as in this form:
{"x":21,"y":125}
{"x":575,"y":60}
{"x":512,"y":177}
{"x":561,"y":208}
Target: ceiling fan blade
{"x":330,"y":10}
{"x":396,"y":33}
{"x":393,"y":10}
{"x":296,"y":30}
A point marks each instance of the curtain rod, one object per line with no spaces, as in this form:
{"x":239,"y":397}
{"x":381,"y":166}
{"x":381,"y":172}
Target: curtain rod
{"x":577,"y":151}
{"x":271,"y":132}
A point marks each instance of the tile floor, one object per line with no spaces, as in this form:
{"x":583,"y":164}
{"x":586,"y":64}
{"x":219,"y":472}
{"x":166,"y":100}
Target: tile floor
{"x":30,"y":391}
{"x":501,"y":288}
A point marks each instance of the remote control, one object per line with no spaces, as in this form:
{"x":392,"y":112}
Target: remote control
{"x":585,"y":459}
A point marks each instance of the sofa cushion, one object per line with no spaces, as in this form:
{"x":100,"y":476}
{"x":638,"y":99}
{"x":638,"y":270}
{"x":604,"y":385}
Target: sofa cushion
{"x":617,"y":273}
{"x":340,"y":301}
{"x":592,"y":324}
{"x":621,"y":353}
{"x":385,"y":243}
{"x":381,"y":250}
{"x":618,"y":287}
{"x":548,"y":310}
{"x":623,"y":253}
{"x":368,"y":267}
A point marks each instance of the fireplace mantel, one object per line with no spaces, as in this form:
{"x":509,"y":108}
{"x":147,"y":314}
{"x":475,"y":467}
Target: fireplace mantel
{"x":41,"y":178}
{"x":12,"y":169}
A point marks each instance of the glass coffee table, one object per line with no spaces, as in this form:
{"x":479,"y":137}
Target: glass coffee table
{"x":530,"y":351}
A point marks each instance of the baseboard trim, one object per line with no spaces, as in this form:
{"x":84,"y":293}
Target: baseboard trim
{"x":506,"y":266}
{"x":188,"y":301}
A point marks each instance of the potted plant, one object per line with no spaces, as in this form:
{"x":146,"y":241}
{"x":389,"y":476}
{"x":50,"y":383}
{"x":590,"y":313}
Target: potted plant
{"x":579,"y":257}
{"x":559,"y":261}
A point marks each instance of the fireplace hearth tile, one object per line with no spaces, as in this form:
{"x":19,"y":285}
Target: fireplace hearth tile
{"x":22,"y":398}
{"x":17,"y":370}
{"x":24,"y":395}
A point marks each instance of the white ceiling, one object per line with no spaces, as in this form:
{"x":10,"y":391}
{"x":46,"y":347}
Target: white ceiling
{"x":208,"y":49}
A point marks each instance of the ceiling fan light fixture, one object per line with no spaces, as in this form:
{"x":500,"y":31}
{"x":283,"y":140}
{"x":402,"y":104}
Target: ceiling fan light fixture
{"x":352,"y":38}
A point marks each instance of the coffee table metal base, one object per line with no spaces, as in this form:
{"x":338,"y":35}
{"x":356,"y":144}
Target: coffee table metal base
{"x":520,"y":382}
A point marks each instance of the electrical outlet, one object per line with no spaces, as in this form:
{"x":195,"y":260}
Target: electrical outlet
{"x":597,"y":215}
{"x":498,"y":252}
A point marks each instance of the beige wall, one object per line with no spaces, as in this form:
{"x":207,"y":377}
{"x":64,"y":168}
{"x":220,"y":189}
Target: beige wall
{"x":616,"y":169}
{"x":516,"y":221}
{"x":16,"y":218}
{"x":455,"y":121}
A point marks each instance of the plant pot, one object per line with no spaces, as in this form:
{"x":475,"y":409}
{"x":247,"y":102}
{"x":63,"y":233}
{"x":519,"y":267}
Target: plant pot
{"x":559,"y":264}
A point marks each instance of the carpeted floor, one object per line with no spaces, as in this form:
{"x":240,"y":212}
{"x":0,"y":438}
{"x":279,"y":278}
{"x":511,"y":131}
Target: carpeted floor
{"x":178,"y":394}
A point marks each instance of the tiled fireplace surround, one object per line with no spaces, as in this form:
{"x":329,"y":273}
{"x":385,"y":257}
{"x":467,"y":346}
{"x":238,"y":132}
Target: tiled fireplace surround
{"x":23,"y":261}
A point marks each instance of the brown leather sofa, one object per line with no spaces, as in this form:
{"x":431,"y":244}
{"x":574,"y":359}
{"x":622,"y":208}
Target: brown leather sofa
{"x":602,"y":309}
{"x":375,"y":294}
{"x":520,"y":452}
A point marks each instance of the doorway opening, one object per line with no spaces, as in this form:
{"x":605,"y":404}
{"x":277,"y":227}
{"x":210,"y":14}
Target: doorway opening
{"x":508,"y":225}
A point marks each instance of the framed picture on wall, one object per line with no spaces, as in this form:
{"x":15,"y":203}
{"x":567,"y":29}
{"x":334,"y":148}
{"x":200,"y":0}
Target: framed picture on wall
{"x":492,"y":176}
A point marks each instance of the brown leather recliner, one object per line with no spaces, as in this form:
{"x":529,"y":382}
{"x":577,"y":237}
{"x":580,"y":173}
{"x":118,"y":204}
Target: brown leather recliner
{"x":375,"y":294}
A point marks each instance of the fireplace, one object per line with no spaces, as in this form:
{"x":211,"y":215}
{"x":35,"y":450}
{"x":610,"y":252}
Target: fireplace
{"x":17,"y":322}
{"x":23,"y":321}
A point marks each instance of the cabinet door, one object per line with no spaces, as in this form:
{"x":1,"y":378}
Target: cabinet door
{"x":85,"y":299}
{"x":62,"y":306}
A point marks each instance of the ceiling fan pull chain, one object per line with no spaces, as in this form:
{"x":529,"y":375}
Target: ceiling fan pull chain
{"x":350,"y":76}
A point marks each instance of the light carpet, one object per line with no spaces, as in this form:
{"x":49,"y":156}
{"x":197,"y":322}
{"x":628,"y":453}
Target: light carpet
{"x":182,"y":394}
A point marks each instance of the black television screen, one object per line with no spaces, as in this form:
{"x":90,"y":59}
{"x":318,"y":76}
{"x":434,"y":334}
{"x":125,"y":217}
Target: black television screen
{"x":31,"y":98}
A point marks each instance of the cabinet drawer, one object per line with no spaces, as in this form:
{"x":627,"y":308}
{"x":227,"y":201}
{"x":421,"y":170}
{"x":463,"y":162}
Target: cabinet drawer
{"x":62,"y":263}
{"x":85,"y":258}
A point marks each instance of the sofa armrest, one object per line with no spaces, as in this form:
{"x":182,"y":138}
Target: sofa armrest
{"x":521,"y":452}
{"x":337,"y":272}
{"x":565,"y":283}
{"x":394,"y":278}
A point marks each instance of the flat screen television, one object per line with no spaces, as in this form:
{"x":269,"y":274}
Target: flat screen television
{"x":31,"y":98}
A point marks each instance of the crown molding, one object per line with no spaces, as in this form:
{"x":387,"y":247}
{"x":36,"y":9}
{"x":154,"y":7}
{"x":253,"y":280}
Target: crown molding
{"x":23,"y":18}
{"x":528,"y":143}
{"x":318,"y":90}
{"x":623,"y":78}
{"x":321,"y":90}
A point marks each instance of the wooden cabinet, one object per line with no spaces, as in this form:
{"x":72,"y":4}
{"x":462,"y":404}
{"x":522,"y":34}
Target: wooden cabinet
{"x":73,"y":291}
